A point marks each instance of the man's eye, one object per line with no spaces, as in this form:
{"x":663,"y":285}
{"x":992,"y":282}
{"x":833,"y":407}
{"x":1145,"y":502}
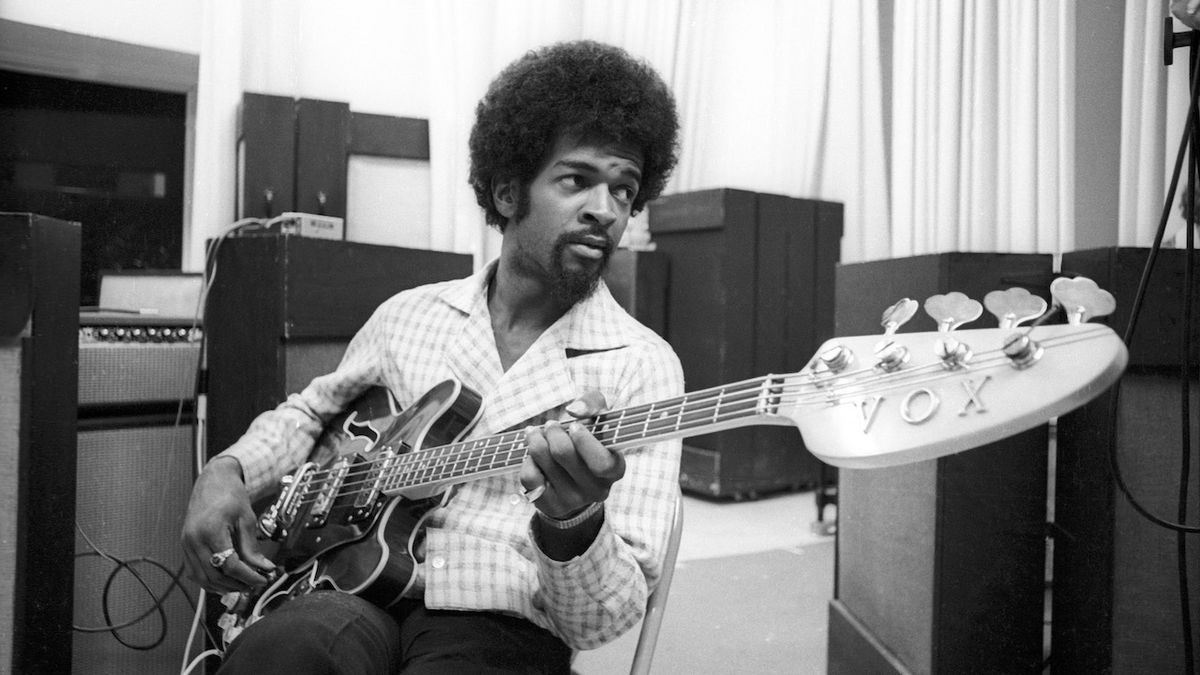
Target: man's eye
{"x":625,"y":193}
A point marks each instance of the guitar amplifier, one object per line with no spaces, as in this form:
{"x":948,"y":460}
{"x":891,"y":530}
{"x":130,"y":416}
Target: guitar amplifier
{"x":129,"y":359}
{"x":137,"y":381}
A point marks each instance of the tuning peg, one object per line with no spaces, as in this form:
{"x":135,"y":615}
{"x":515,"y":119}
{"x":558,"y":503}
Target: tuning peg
{"x":952,"y":310}
{"x":897,"y":315}
{"x":890,"y":356}
{"x":1014,"y":306}
{"x":1081,"y":299}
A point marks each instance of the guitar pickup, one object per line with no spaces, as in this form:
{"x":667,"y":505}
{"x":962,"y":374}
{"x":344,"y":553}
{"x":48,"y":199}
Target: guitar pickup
{"x":365,"y":499}
{"x":276,"y":521}
{"x":327,"y":492}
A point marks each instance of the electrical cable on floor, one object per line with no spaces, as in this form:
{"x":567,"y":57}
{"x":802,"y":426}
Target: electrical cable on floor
{"x":156,"y":605}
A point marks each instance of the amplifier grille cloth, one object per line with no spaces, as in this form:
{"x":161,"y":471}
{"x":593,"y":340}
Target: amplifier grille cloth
{"x":132,"y":489}
{"x":114,"y":373}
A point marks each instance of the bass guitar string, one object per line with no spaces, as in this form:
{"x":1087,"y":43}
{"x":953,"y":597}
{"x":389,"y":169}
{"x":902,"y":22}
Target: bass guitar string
{"x":428,"y":462}
{"x":712,"y":406}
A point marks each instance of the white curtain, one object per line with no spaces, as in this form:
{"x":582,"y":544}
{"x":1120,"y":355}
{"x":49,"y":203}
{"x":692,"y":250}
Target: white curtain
{"x":1154,"y":102}
{"x":474,"y":39}
{"x":766,"y":103}
{"x":982,"y":137}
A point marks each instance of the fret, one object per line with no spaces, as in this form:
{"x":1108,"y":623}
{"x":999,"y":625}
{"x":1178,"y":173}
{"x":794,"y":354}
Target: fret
{"x":599,"y":428}
{"x":478,"y":453}
{"x":620,"y":423}
{"x":691,"y":412}
{"x":646,"y":424}
{"x":403,"y":471}
{"x":499,"y":451}
{"x":460,"y":454}
{"x":427,"y":464}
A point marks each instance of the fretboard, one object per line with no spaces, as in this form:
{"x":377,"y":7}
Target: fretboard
{"x":734,"y":405}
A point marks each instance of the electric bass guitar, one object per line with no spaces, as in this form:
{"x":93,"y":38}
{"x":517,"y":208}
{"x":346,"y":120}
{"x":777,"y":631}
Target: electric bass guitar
{"x":350,"y":517}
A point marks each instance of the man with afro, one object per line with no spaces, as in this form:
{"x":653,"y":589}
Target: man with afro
{"x":517,"y":568}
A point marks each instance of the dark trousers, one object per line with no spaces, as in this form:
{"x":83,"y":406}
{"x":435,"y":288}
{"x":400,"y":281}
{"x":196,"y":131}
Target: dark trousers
{"x":329,"y":632}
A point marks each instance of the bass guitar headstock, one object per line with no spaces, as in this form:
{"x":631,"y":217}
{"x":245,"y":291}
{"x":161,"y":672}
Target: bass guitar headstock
{"x":884,"y":400}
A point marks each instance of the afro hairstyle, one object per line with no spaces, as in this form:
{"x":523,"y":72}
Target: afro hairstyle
{"x":583,"y":89}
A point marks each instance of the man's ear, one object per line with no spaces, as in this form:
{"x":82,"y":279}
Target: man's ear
{"x":504,"y":196}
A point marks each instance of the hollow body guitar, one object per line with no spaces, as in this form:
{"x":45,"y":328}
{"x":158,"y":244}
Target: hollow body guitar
{"x":350,"y":518}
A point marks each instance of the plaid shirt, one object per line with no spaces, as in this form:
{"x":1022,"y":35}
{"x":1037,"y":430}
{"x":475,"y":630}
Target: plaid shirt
{"x":480,"y":552}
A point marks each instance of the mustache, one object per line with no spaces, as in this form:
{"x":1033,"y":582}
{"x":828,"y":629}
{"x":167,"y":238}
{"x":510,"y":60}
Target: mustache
{"x":597,"y":238}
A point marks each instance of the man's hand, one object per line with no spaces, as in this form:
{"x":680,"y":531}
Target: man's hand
{"x":219,"y":518}
{"x":570,"y":467}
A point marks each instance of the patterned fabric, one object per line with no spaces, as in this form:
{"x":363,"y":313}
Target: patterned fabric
{"x":480,"y":551}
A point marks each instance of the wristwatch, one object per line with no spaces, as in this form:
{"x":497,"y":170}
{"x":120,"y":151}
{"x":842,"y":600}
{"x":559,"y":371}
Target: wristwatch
{"x":575,"y":520}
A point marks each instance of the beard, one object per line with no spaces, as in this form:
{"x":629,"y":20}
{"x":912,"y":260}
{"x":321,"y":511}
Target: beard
{"x":567,"y":285}
{"x":570,"y":286}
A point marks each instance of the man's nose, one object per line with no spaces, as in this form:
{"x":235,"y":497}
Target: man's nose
{"x":599,"y":207}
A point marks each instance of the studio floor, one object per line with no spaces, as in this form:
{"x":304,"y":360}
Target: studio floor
{"x":750,"y":593}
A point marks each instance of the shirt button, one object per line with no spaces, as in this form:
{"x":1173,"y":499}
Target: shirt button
{"x":438,"y":562}
{"x":514,"y":499}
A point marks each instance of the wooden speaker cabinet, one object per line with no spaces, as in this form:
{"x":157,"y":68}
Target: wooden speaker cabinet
{"x":283,"y":308}
{"x":638,"y":282}
{"x":750,"y":293}
{"x":135,"y":475}
{"x":1116,"y":600}
{"x":39,"y":325}
{"x":940,"y":564}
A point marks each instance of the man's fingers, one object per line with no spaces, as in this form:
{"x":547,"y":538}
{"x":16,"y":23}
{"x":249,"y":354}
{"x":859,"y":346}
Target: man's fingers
{"x":531,"y":479}
{"x":236,"y":569}
{"x":203,"y":572}
{"x":546,"y":457}
{"x":247,"y":544}
{"x":600,"y":461}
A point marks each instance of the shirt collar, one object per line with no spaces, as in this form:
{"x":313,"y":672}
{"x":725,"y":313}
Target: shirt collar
{"x":596,"y":323}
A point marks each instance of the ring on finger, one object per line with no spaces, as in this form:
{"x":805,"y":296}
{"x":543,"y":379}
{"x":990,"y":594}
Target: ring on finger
{"x":534,"y":494}
{"x":219,"y":558}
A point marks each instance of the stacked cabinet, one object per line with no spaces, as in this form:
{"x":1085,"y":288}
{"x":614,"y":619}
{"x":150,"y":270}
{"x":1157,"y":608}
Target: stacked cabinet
{"x":941,"y":564}
{"x":750,"y":292}
{"x":39,"y":325}
{"x":1116,"y":599}
{"x":283,"y":308}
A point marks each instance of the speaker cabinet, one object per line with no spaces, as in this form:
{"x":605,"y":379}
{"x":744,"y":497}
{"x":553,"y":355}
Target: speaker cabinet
{"x":39,"y":322}
{"x":135,"y":475}
{"x":1116,"y":597}
{"x":283,"y":308}
{"x":940,"y":564}
{"x":638,"y":282}
{"x":750,"y":293}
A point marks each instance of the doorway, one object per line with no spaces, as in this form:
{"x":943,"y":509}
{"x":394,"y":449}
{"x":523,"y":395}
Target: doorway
{"x":110,"y":157}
